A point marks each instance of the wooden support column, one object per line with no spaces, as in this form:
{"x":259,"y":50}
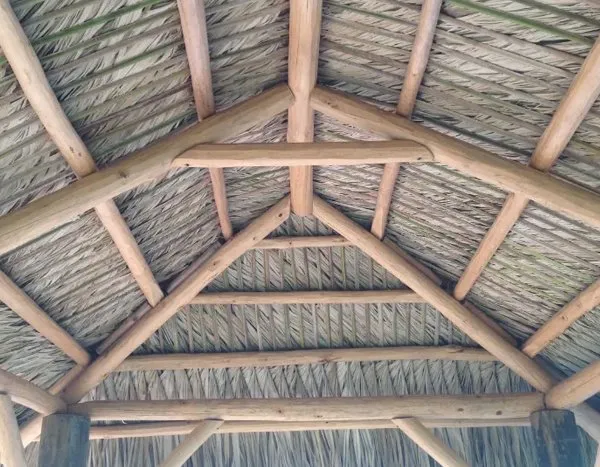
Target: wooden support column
{"x":556,"y":438}
{"x":415,"y":71}
{"x":191,"y":443}
{"x":193,"y":24}
{"x":303,"y":58}
{"x":64,"y":441}
{"x":11,"y":447}
{"x":426,"y":440}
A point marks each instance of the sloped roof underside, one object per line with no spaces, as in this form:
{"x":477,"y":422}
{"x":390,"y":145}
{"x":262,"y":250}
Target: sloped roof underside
{"x":497,"y":72}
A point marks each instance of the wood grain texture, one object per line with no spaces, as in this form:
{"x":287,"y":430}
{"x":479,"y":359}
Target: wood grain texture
{"x":300,"y":357}
{"x":28,"y":394}
{"x":556,"y":439}
{"x":426,"y":440}
{"x":549,"y":191}
{"x":308,"y":296}
{"x":191,"y":443}
{"x":64,"y":441}
{"x":303,"y":57}
{"x":461,"y":317}
{"x":560,"y":322}
{"x":11,"y":447}
{"x":19,"y":302}
{"x":575,"y":389}
{"x":51,"y":211}
{"x":301,"y":154}
{"x":483,"y":406}
{"x":408,"y":96}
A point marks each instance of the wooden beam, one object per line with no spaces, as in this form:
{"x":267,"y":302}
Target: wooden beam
{"x":576,"y":103}
{"x":303,"y":154}
{"x":556,"y":439}
{"x":303,"y":60}
{"x":65,"y":441}
{"x":60,"y":207}
{"x":11,"y":447}
{"x":19,"y":302}
{"x":320,"y":297}
{"x":191,"y":443}
{"x":458,"y":314}
{"x":321,"y":241}
{"x":584,"y":302}
{"x":482,"y":406}
{"x":195,"y":37}
{"x":547,"y":190}
{"x":408,"y":97}
{"x":28,"y":71}
{"x":575,"y":389}
{"x":28,"y":394}
{"x":148,"y":429}
{"x":426,"y":440}
{"x":491,"y":323}
{"x":182,"y":295}
{"x":300,"y":357}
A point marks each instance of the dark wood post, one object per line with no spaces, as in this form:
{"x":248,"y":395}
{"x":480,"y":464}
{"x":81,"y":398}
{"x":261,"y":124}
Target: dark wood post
{"x":556,"y":438}
{"x":64,"y":441}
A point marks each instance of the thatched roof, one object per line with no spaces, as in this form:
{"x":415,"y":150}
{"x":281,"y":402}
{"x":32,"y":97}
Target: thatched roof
{"x":498,"y":70}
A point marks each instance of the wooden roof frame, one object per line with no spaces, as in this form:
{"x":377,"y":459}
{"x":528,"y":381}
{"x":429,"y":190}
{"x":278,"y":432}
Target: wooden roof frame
{"x":96,"y":190}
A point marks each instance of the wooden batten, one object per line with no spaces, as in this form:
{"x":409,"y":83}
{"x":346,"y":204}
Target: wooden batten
{"x":303,"y":57}
{"x":300,"y":357}
{"x":483,"y":406}
{"x":321,"y":241}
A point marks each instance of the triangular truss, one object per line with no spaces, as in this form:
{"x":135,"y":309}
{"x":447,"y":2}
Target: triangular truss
{"x":410,"y":143}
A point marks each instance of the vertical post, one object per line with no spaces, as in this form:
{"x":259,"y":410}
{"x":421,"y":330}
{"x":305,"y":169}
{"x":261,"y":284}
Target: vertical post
{"x":64,"y":441}
{"x":556,"y":438}
{"x":11,"y":446}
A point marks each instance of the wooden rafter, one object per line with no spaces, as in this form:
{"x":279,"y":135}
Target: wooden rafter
{"x":551,"y":192}
{"x":195,"y":36}
{"x":480,"y":406}
{"x":191,"y":443}
{"x":303,"y":154}
{"x":580,"y":97}
{"x":426,"y":440}
{"x":28,"y":71}
{"x":301,"y":357}
{"x":24,"y":306}
{"x":406,"y":103}
{"x":11,"y":447}
{"x":303,"y":58}
{"x":560,"y":322}
{"x":58,"y":208}
{"x":146,"y":429}
{"x":575,"y":389}
{"x":28,"y":394}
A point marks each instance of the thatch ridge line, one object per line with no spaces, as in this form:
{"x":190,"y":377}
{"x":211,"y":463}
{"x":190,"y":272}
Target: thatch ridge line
{"x":34,"y":83}
{"x":413,"y":77}
{"x":193,"y":24}
{"x":580,"y":97}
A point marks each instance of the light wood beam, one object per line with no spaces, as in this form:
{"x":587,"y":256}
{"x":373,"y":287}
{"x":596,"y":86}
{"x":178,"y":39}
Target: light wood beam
{"x":303,"y":61}
{"x":28,"y":71}
{"x":191,"y":443}
{"x":408,"y":97}
{"x":148,"y":429}
{"x":28,"y":394}
{"x":303,"y":154}
{"x":426,"y":440}
{"x":458,"y":314}
{"x":576,"y":103}
{"x":321,"y":241}
{"x":482,"y":406}
{"x":575,"y":389}
{"x":60,"y":207}
{"x":551,"y":192}
{"x":11,"y":447}
{"x":320,"y":297}
{"x":560,"y":322}
{"x":195,"y":37}
{"x":300,"y":357}
{"x":19,"y":302}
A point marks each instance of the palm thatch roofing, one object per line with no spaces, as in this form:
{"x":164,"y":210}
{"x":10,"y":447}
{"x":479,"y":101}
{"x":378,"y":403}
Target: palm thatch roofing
{"x":497,"y":72}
